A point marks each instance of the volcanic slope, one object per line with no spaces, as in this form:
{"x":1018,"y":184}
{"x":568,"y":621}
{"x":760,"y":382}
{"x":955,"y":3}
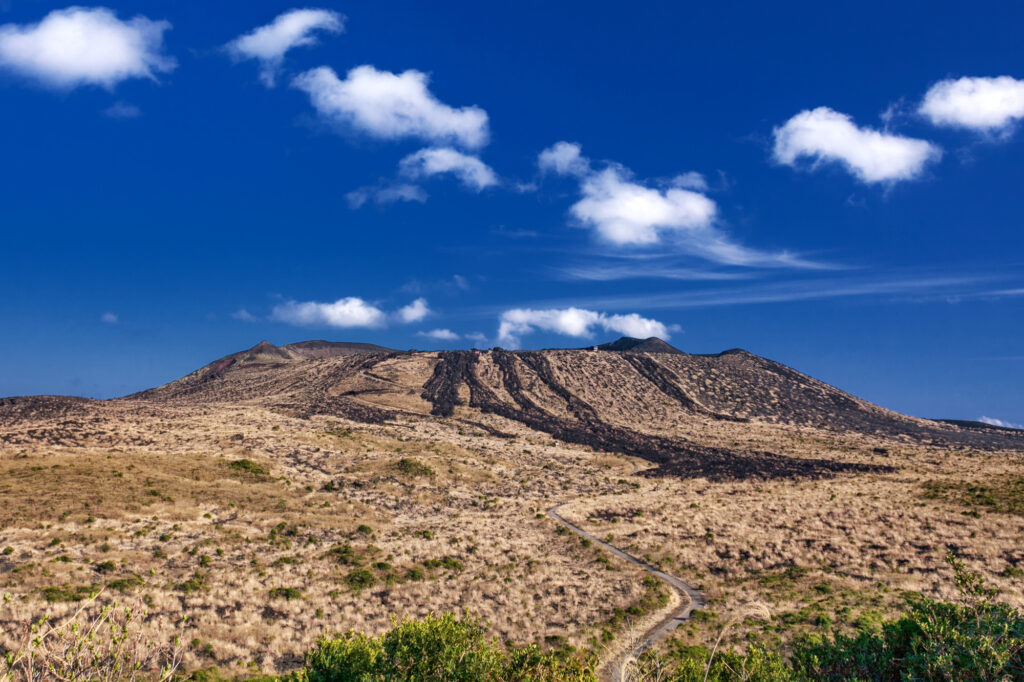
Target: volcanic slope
{"x":668,"y":407}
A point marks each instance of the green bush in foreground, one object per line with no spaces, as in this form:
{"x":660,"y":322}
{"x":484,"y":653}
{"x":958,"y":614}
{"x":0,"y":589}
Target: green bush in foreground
{"x":973,"y":641}
{"x":436,"y":648}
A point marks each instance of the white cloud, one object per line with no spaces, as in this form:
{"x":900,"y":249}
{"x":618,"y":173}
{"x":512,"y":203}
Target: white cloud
{"x":109,"y":318}
{"x":625,"y":212}
{"x":414,"y":312}
{"x":294,"y":28}
{"x":628,"y":213}
{"x":574,"y":322}
{"x":564,"y":158}
{"x":691,"y":180}
{"x":984,"y":104}
{"x":1000,"y":422}
{"x":471,"y":171}
{"x":243,"y":315}
{"x":345,"y":312}
{"x":386,"y":194}
{"x":825,"y":135}
{"x":391,"y":106}
{"x":85,"y":46}
{"x":440,"y":335}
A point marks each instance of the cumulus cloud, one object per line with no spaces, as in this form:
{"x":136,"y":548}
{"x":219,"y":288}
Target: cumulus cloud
{"x":982,"y":104}
{"x":294,"y":28}
{"x":620,"y":210}
{"x":564,"y":158}
{"x":824,"y":135}
{"x":471,"y":171}
{"x":386,"y":194}
{"x":440,"y":335}
{"x":85,"y":46}
{"x":392,"y":106}
{"x":579,"y":322}
{"x":1000,"y":422}
{"x":414,"y":312}
{"x":345,"y":312}
{"x":109,"y":318}
{"x":625,"y":212}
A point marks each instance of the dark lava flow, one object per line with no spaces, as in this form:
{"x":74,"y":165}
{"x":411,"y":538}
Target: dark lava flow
{"x":674,"y":456}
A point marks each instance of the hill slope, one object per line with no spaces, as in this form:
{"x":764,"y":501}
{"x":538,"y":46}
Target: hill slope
{"x":666,"y":406}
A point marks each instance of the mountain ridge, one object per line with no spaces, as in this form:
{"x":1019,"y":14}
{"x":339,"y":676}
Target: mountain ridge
{"x":623,"y":384}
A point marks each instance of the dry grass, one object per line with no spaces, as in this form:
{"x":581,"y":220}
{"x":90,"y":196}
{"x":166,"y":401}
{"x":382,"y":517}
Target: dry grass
{"x":172,"y":522}
{"x":337,"y":534}
{"x":837,"y":552}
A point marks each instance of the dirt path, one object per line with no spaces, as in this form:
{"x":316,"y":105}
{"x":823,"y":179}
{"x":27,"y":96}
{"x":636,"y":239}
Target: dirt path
{"x":691,"y":598}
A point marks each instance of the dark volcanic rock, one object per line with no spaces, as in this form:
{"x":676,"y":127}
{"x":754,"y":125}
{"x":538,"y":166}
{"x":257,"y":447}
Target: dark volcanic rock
{"x":675,"y":456}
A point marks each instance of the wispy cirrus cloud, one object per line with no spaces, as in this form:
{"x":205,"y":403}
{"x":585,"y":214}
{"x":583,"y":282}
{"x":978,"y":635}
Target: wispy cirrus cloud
{"x":386,"y":193}
{"x":824,"y":136}
{"x":85,"y":46}
{"x":644,"y":270}
{"x":295,"y":28}
{"x":894,"y":287}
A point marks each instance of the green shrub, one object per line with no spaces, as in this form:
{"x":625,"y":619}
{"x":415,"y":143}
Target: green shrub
{"x":197,"y":583}
{"x":412,"y":467}
{"x":451,"y":563}
{"x":288,"y":593}
{"x":436,"y":648}
{"x":979,"y":639}
{"x":360,"y":578}
{"x":68,"y":593}
{"x":126,"y":584}
{"x":249,"y":467}
{"x":345,"y":555}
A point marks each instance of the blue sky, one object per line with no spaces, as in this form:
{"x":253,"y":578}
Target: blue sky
{"x":835,"y":187}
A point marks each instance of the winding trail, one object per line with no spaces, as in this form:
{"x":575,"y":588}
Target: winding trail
{"x":691,"y":598}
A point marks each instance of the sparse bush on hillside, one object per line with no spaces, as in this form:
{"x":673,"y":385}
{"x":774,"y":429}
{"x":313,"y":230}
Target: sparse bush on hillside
{"x":412,"y":467}
{"x":288,"y":593}
{"x":249,"y":467}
